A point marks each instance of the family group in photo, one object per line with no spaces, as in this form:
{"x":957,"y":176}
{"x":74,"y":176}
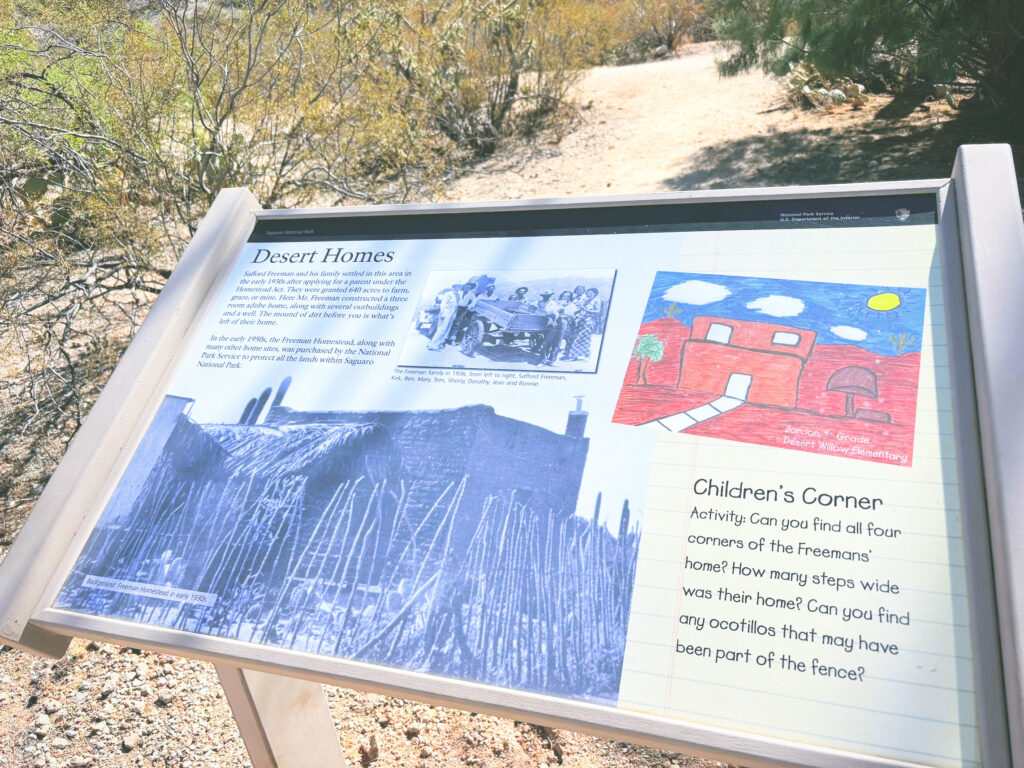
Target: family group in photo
{"x":556,"y":326}
{"x":572,"y":318}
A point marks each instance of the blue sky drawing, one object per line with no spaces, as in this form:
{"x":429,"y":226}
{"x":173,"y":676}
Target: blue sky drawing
{"x":838,"y":312}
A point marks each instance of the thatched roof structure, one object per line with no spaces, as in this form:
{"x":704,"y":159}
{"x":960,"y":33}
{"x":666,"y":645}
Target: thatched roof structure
{"x":299,"y":449}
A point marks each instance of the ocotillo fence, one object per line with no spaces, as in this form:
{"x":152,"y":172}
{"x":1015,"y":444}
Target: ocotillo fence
{"x":534,"y":599}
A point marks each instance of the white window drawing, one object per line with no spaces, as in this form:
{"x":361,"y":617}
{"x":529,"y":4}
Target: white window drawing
{"x":719,"y":332}
{"x":787,"y":338}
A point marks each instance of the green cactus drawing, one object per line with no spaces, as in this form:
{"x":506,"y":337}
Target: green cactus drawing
{"x":901,"y":342}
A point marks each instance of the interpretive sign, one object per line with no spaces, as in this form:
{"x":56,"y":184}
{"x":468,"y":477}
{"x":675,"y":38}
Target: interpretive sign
{"x":697,"y":470}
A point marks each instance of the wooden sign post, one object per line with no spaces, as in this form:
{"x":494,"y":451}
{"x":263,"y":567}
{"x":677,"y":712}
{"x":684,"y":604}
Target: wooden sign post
{"x":729,"y":472}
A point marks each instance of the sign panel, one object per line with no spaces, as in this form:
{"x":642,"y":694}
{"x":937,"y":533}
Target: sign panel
{"x":695,"y":461}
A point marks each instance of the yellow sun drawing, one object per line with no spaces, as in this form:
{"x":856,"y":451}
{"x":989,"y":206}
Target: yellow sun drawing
{"x":884,"y":302}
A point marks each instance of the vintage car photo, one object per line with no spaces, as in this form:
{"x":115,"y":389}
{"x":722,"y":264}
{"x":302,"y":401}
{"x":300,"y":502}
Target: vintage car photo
{"x":527,"y":320}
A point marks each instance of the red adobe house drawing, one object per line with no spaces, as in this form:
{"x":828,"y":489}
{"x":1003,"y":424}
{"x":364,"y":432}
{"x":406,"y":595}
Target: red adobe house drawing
{"x":780,"y":363}
{"x":753,"y":362}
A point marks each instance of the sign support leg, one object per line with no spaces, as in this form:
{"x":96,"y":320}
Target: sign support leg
{"x":284,"y":722}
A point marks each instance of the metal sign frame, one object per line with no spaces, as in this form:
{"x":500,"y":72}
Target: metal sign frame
{"x":982,"y":244}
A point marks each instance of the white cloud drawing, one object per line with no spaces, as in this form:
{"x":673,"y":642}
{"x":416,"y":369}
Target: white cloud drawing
{"x":849,"y":332}
{"x":777,"y":306}
{"x":696,"y":292}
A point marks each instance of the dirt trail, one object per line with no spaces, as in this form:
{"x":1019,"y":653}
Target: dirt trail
{"x":676,"y":124}
{"x":639,"y":124}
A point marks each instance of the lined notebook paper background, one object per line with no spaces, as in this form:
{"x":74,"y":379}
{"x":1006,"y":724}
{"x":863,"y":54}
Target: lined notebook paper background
{"x":744,"y":638}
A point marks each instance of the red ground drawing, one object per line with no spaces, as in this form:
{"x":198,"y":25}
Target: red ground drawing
{"x":771,"y":384}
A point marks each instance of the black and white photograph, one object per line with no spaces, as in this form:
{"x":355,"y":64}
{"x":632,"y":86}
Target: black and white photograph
{"x":530,"y":320}
{"x":446,"y":541}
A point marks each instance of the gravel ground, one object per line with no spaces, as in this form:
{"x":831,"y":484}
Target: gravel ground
{"x":106,"y":706}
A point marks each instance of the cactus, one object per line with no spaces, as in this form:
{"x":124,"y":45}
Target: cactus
{"x":902,"y":342}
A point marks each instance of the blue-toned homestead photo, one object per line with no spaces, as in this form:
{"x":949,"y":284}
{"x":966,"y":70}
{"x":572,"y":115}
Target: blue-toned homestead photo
{"x":444,"y":541}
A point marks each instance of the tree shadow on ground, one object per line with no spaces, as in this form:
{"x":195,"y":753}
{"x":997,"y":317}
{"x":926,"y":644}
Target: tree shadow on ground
{"x":901,"y":107}
{"x":881,"y":150}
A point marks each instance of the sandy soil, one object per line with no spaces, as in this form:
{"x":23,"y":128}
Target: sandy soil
{"x":676,"y":124}
{"x":654,"y":127}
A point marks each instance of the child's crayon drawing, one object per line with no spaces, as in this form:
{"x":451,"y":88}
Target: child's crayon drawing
{"x":823,"y":367}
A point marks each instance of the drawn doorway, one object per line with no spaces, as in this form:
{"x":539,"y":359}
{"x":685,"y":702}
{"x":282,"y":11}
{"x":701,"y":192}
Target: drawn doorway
{"x":738,"y":385}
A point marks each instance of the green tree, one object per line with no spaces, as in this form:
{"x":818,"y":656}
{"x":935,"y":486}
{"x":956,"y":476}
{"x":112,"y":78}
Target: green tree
{"x":937,"y":41}
{"x":647,"y":348}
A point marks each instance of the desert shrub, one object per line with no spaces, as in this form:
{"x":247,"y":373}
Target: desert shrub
{"x":485,"y":69}
{"x":663,"y":22}
{"x":566,"y":38}
{"x":595,"y":31}
{"x":641,"y":27}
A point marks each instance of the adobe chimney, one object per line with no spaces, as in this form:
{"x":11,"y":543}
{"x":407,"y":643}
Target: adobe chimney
{"x":576,"y":424}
